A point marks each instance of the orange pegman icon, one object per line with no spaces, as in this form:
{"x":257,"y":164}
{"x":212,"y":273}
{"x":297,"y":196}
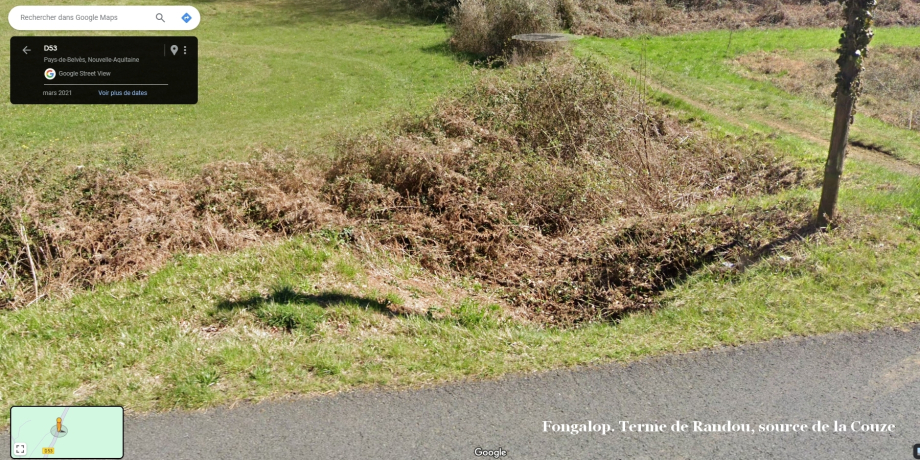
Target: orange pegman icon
{"x":59,"y":424}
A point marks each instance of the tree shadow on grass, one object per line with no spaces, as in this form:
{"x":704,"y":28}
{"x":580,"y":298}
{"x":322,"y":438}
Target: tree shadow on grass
{"x":680,"y":270}
{"x":772,"y":247}
{"x":287,"y":296}
{"x":443,"y":49}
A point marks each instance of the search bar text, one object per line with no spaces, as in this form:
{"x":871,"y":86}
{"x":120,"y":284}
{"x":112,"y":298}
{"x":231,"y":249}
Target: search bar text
{"x":104,"y":18}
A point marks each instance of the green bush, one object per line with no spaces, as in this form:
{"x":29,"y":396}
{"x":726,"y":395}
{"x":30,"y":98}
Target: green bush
{"x":485,"y":27}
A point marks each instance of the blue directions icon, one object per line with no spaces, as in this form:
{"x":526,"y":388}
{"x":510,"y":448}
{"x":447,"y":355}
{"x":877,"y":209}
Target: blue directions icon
{"x":186,"y":17}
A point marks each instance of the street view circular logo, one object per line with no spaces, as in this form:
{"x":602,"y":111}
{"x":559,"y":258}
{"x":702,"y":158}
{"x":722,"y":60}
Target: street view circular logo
{"x":50,"y":73}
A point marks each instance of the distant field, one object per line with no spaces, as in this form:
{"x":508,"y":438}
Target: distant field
{"x":272,"y":74}
{"x":702,"y":66}
{"x":891,"y":83}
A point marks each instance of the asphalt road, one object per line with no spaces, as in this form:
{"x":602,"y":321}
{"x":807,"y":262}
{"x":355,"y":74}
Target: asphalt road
{"x":870,"y":379}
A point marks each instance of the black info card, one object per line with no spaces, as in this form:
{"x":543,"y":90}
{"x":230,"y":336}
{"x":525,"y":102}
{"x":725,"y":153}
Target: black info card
{"x":104,"y":70}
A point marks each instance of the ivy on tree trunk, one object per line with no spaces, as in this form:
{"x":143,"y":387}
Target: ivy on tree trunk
{"x":854,"y":40}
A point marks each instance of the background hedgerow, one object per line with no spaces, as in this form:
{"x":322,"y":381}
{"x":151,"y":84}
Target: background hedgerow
{"x":608,"y":18}
{"x":484,"y":27}
{"x":433,"y":10}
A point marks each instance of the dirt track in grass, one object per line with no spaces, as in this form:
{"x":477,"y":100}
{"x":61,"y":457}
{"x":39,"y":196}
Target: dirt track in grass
{"x":854,"y":150}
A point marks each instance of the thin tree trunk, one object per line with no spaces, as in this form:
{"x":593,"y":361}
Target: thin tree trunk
{"x":853,"y":43}
{"x":833,"y":169}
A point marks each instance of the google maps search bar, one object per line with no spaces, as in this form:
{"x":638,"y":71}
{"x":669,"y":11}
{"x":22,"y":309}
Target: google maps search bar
{"x":104,"y":18}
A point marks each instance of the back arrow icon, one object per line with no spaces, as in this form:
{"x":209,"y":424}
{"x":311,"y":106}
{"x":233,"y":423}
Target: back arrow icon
{"x":26,"y":49}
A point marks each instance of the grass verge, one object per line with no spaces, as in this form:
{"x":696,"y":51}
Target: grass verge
{"x":307,"y":315}
{"x":302,"y":317}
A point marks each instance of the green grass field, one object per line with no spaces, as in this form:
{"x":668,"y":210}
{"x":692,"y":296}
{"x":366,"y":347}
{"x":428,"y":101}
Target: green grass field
{"x":271,"y":75}
{"x":701,"y":65}
{"x":308,"y":315}
{"x":698,"y":68}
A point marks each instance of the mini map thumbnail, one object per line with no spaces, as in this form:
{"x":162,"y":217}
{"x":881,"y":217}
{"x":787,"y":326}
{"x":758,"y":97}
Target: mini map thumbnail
{"x":66,"y":432}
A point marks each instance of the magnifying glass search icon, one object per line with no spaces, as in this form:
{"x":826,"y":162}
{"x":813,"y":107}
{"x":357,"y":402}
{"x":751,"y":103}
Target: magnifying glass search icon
{"x":160,"y":17}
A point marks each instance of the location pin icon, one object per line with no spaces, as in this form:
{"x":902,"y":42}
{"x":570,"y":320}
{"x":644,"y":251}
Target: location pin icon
{"x":174,"y":49}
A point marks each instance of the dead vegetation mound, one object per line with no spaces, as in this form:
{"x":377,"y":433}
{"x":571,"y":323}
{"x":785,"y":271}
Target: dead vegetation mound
{"x":602,"y":271}
{"x":506,"y":181}
{"x":556,"y":184}
{"x":95,"y":225}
